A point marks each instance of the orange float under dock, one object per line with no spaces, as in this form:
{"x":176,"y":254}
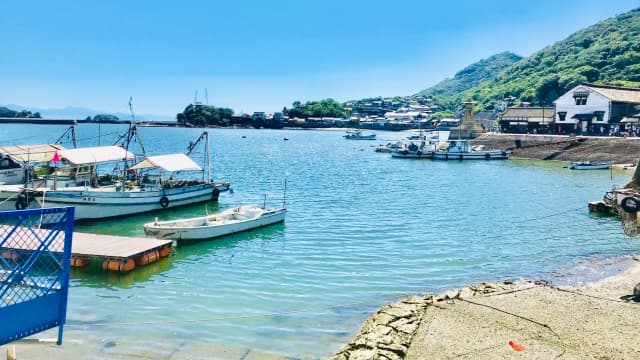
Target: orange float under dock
{"x":117,"y":253}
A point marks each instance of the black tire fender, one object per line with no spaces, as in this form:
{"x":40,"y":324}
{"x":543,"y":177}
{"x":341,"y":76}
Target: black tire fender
{"x":629,"y":204}
{"x":487,"y":156}
{"x":602,"y":207}
{"x":164,"y":201}
{"x":215,"y":194}
{"x":21,"y":201}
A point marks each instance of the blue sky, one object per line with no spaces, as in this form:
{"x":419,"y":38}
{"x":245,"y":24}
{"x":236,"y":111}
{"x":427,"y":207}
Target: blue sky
{"x":261,"y":55}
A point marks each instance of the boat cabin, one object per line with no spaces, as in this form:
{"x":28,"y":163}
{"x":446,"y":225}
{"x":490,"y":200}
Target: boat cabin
{"x":458,"y":146}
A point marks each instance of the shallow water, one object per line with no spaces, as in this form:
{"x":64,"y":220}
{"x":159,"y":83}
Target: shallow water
{"x":362,"y":229}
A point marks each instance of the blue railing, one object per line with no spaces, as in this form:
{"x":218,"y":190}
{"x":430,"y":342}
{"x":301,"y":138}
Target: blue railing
{"x":35,"y":256}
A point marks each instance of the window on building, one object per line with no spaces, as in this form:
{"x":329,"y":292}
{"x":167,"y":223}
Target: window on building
{"x":562,"y":115}
{"x":580,"y":96}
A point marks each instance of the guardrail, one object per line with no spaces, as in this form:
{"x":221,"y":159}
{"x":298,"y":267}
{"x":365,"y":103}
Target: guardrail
{"x":34,"y":271}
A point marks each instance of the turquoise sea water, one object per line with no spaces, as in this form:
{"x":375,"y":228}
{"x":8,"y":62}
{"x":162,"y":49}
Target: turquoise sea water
{"x":362,"y":230}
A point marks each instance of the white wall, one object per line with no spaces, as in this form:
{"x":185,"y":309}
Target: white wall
{"x":595,"y":102}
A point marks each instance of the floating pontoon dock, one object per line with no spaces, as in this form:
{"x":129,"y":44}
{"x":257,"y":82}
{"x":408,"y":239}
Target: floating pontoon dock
{"x":118,"y":253}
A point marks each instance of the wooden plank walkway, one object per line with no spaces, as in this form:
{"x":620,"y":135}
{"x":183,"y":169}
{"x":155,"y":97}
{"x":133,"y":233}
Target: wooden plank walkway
{"x":83,"y":244}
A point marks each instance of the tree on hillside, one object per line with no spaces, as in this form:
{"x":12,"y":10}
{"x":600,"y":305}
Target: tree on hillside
{"x":322,"y":108}
{"x":204,"y":115}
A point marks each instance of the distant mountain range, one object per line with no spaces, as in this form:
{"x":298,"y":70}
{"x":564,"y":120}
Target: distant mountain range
{"x":74,"y":112}
{"x":605,"y":53}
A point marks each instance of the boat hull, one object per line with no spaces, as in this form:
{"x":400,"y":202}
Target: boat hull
{"x":591,"y":166}
{"x":94,"y":204}
{"x":473,"y":155}
{"x":400,"y":155}
{"x":439,"y":155}
{"x":209,"y":232}
{"x":361,"y":137}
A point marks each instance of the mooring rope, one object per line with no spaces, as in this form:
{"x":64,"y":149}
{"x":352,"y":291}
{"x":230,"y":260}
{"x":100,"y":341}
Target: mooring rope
{"x":9,"y":198}
{"x":548,"y":216}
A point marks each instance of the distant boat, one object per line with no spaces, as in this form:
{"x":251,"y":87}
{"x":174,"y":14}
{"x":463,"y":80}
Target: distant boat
{"x":230,"y":221}
{"x":389,"y":147}
{"x":462,"y":150}
{"x":358,"y":135}
{"x":421,"y":146}
{"x":589,"y":165}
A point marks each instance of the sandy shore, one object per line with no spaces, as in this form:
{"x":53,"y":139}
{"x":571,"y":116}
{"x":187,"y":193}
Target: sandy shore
{"x":598,"y":320}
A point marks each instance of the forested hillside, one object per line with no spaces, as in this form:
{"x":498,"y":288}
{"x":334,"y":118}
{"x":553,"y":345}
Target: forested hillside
{"x":448,"y":93}
{"x":605,"y":53}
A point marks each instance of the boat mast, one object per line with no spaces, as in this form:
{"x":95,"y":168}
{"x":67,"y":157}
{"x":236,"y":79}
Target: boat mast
{"x":207,"y":150}
{"x":192,"y":146}
{"x":72,"y":130}
{"x":284,"y":194}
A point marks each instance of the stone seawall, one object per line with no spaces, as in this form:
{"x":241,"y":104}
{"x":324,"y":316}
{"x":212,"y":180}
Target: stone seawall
{"x":564,"y":148}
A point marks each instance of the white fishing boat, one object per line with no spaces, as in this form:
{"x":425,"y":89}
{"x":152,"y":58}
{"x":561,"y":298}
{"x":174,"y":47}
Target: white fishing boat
{"x":230,"y":221}
{"x":155,"y":183}
{"x":17,"y":162}
{"x":388,"y":147}
{"x":462,"y":150}
{"x":422,"y":145}
{"x":357,"y":134}
{"x":18,"y":167}
{"x":589,"y":165}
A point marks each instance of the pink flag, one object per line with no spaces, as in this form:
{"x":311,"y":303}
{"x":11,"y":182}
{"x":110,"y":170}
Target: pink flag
{"x":56,"y":158}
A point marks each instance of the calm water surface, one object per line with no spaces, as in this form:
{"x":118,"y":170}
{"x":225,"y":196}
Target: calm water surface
{"x":362,"y":229}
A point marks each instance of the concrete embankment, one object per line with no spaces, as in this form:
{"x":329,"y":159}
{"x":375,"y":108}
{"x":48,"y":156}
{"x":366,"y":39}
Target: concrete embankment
{"x":564,"y":148}
{"x":508,"y":320}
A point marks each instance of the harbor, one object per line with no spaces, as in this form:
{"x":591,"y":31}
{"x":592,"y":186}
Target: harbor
{"x":272,"y":293}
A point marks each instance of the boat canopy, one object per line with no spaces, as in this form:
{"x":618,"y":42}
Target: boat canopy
{"x":170,"y":162}
{"x":95,"y":154}
{"x":31,"y":153}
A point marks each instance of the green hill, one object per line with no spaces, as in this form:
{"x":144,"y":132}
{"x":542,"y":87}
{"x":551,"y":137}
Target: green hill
{"x":448,"y":92}
{"x":605,"y":53}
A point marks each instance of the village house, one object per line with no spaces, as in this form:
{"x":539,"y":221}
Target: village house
{"x":598,"y":110}
{"x":526,"y":119}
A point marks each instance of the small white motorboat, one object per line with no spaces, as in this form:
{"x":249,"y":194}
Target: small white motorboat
{"x":358,"y":135}
{"x":230,"y":221}
{"x":462,"y":150}
{"x":589,"y":165}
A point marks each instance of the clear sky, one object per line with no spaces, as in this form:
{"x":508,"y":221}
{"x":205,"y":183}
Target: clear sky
{"x":261,"y":55}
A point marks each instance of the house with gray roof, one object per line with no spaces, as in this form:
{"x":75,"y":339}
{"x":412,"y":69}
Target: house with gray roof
{"x":597,"y":109}
{"x":526,"y":119}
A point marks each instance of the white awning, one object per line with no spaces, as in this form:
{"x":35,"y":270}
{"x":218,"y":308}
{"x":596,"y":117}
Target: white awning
{"x":170,"y":162}
{"x":96,"y":154}
{"x":31,"y":153}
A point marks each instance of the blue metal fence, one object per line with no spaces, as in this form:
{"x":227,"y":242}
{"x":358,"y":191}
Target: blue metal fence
{"x":35,"y":256}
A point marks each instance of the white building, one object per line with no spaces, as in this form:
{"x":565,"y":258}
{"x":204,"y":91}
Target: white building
{"x":595,"y":109}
